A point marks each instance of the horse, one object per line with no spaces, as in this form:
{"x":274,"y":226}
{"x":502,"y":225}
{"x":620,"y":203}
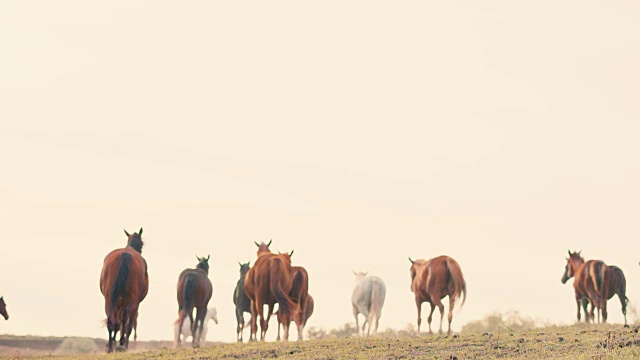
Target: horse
{"x":212,"y":314}
{"x":194,"y":291}
{"x":299,"y":294}
{"x":269,"y":282}
{"x":241,"y":301}
{"x":617,"y":285}
{"x":308,"y":311}
{"x":432,"y":280}
{"x":367,"y":299}
{"x":3,"y":308}
{"x":124,"y":283}
{"x":592,"y":280}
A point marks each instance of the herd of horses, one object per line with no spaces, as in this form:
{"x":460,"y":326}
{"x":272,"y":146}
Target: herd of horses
{"x":124,"y":283}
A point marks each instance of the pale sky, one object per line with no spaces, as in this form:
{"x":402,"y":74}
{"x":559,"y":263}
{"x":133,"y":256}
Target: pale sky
{"x":355,"y":133}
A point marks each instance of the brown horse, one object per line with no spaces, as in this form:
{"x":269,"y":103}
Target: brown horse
{"x":3,"y":308}
{"x":124,"y":283}
{"x":617,"y":285}
{"x":434,"y":279}
{"x":592,"y":280}
{"x":299,"y":294}
{"x":269,"y":282}
{"x":194,"y":291}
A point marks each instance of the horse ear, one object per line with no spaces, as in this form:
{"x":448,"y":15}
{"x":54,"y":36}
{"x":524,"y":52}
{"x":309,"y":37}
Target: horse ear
{"x":140,"y":232}
{"x":366,"y":272}
{"x":579,"y":252}
{"x":208,"y":257}
{"x":291,"y":253}
{"x":239,"y":263}
{"x":258,"y":245}
{"x":354,"y":273}
{"x":197,"y":257}
{"x":410,"y":259}
{"x":125,"y":232}
{"x":569,"y":251}
{"x":269,"y":244}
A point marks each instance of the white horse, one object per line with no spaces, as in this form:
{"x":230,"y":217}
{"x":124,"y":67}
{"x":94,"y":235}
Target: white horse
{"x":367,"y":299}
{"x":212,"y":314}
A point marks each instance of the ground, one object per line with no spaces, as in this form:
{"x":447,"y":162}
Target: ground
{"x":570,"y":342}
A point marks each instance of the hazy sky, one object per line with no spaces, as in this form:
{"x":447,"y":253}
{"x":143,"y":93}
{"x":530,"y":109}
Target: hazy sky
{"x":357,"y":133}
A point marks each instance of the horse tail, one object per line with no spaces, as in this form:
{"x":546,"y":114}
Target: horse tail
{"x":459,"y":285}
{"x":121,"y":279}
{"x":377,"y":299}
{"x":190,"y":294}
{"x":278,"y":270}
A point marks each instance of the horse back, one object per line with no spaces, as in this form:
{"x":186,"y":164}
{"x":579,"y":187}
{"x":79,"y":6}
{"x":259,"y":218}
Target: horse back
{"x":137,"y":282}
{"x":203,"y":287}
{"x":617,"y":282}
{"x":594,"y":278}
{"x":437,"y":276}
{"x":299,"y":283}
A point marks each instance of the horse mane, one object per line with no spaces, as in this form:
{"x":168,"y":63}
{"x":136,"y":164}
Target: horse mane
{"x":135,"y":241}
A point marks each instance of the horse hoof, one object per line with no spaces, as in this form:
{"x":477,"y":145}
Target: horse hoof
{"x":120,"y":348}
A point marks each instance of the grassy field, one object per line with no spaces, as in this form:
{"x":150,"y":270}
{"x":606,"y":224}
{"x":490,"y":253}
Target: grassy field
{"x":571,"y":342}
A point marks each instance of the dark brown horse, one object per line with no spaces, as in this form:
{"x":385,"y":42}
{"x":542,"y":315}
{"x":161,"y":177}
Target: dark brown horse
{"x":124,"y":283}
{"x":3,"y":308}
{"x":592,"y":280}
{"x":194,"y":291}
{"x":617,"y":285}
{"x":241,"y":301}
{"x":434,"y":279}
{"x":268,"y":282}
{"x":299,"y":294}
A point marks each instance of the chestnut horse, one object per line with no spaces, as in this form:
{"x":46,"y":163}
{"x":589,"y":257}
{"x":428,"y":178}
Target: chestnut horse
{"x":617,"y":285}
{"x":241,"y":301}
{"x":299,"y":294}
{"x":124,"y":283}
{"x":269,"y":282}
{"x":592,"y":280}
{"x":432,"y":280}
{"x":194,"y":291}
{"x":3,"y":308}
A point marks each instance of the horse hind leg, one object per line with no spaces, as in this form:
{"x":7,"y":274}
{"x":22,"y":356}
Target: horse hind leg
{"x":194,"y":329}
{"x":433,"y":307}
{"x":112,"y":336}
{"x":240,"y":328}
{"x":441,"y":308}
{"x":450,"y":315}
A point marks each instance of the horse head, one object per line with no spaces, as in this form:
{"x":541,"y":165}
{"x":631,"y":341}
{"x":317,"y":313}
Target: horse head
{"x":360,"y":275}
{"x":573,"y":261}
{"x":416,"y":266}
{"x":263,"y":248}
{"x":3,"y":308}
{"x":244,"y":269}
{"x":203,"y":263}
{"x":286,"y":256}
{"x":135,"y":240}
